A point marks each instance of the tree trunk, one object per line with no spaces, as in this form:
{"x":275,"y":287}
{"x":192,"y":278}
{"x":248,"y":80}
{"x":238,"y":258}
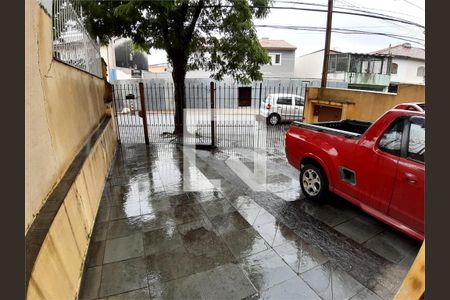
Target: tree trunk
{"x":178,"y":76}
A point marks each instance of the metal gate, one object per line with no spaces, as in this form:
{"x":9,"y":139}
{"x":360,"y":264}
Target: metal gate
{"x":219,"y":114}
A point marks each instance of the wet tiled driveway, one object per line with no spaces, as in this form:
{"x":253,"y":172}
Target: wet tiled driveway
{"x":154,"y":239}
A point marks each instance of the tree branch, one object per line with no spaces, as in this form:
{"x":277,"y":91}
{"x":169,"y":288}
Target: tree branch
{"x":191,"y":27}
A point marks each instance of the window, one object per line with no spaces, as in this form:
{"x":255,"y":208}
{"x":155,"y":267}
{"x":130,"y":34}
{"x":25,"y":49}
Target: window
{"x":421,"y":71}
{"x":394,"y":68}
{"x":275,"y":58}
{"x":392,"y":138}
{"x":299,"y":101}
{"x":416,"y":142}
{"x":285,"y":100}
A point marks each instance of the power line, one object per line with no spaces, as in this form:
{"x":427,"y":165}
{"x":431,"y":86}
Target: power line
{"x":350,"y":7}
{"x":410,"y":3}
{"x":324,"y":10}
{"x":345,"y":31}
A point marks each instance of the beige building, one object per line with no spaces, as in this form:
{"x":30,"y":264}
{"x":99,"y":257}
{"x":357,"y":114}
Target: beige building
{"x":70,"y":140}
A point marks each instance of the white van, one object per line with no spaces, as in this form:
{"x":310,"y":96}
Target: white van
{"x":282,"y":107}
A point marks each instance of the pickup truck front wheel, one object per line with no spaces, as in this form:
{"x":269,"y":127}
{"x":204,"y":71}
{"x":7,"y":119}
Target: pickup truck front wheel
{"x":313,"y":182}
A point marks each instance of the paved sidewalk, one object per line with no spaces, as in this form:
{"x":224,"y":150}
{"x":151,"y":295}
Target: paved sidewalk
{"x":152,"y":239}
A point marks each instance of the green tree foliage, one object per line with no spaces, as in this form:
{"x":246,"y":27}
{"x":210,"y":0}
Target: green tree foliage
{"x":217,"y":36}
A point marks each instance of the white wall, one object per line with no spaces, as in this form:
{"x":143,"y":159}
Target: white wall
{"x":309,"y":65}
{"x":407,"y":71}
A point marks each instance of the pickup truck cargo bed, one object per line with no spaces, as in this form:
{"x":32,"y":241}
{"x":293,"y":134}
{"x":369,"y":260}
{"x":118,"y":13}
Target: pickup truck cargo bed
{"x":348,"y":128}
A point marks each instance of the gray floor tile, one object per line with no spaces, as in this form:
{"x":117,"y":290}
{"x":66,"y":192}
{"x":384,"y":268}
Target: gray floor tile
{"x":100,"y":231}
{"x":227,"y":282}
{"x":217,"y":207}
{"x":205,"y":242}
{"x":392,"y":245}
{"x":123,"y":276}
{"x":123,"y":248}
{"x":124,"y":227}
{"x":229,"y":222}
{"x":294,"y":288}
{"x":245,"y":242}
{"x":162,"y":267}
{"x":300,"y":256}
{"x":366,"y":294}
{"x":162,"y":240}
{"x":266,"y":269}
{"x":95,"y":254}
{"x":141,"y":294}
{"x":361,"y":228}
{"x":188,"y":287}
{"x":330,"y":282}
{"x":91,"y":283}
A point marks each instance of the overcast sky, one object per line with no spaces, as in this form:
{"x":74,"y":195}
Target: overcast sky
{"x":307,"y":41}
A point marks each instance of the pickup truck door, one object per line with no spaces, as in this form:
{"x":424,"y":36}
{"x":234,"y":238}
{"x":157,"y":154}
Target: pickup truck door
{"x":377,"y":167}
{"x":407,"y":204}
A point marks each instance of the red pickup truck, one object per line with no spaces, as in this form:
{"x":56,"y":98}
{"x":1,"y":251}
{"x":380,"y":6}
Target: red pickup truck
{"x":379,"y":167}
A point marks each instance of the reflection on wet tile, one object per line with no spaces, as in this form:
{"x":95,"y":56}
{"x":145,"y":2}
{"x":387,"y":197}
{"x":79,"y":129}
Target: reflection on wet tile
{"x":140,"y":294}
{"x":245,"y":242}
{"x":126,"y":210}
{"x":360,"y":228}
{"x":289,"y":195}
{"x":162,"y":240}
{"x":294,"y":288}
{"x":91,"y":283}
{"x":203,"y":196}
{"x":123,"y":276}
{"x":124,"y":248}
{"x":266,"y":269}
{"x":300,"y":256}
{"x":229,"y":222}
{"x":330,"y":282}
{"x":157,"y":220}
{"x":217,"y":207}
{"x":124,"y":227}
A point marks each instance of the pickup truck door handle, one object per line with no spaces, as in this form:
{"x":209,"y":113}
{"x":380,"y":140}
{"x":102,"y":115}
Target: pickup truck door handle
{"x":410,"y":178}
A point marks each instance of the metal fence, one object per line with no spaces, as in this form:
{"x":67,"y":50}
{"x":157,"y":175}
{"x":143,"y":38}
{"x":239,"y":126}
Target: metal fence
{"x":231,"y":114}
{"x":71,"y":42}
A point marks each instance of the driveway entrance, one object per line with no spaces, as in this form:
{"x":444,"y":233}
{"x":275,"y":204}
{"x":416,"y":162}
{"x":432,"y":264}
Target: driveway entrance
{"x":154,"y":239}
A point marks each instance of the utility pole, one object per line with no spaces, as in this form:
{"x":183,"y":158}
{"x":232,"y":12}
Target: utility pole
{"x":326,"y":57}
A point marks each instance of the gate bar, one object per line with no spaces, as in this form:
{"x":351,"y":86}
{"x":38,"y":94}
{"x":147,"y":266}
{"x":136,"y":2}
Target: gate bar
{"x":213,"y":121}
{"x":143,"y":111}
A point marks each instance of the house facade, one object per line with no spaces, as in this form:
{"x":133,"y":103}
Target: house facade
{"x":282,"y":56}
{"x":358,"y":71}
{"x":408,"y":64}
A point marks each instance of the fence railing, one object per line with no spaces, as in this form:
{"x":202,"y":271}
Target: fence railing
{"x":71,"y":41}
{"x":240,"y":113}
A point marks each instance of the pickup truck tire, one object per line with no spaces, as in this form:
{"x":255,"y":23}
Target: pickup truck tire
{"x":313,"y":182}
{"x":273,"y":119}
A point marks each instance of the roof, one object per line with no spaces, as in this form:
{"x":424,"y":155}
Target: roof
{"x":276,"y":44}
{"x":403,"y":50}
